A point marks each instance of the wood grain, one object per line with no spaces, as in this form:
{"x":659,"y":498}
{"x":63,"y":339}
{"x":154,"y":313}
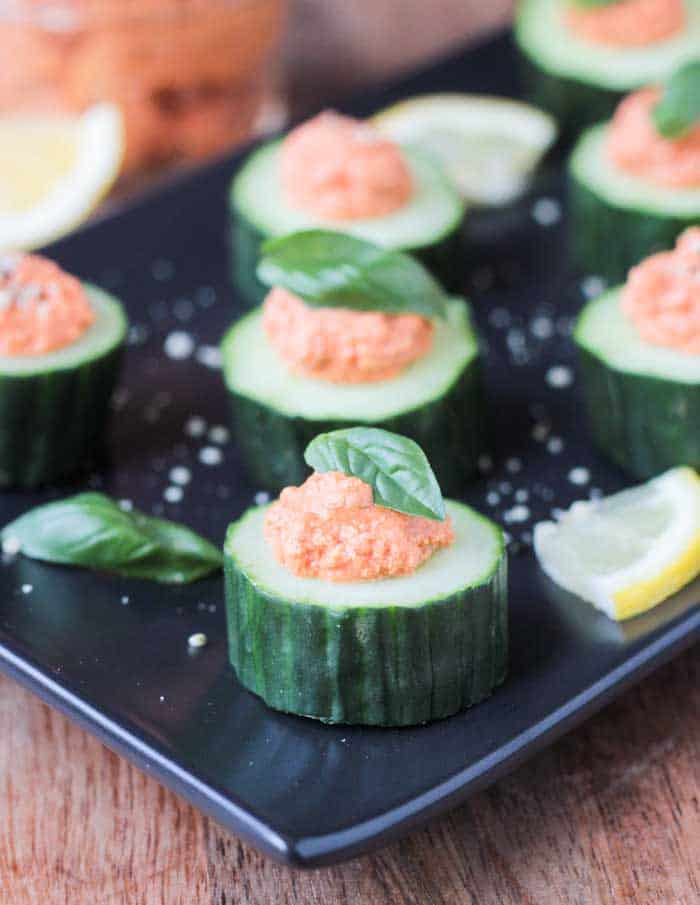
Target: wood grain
{"x":610,"y":814}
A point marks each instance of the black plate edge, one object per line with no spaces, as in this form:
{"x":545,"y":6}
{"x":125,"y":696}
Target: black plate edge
{"x":325,"y":850}
{"x":314,"y":852}
{"x":120,"y":740}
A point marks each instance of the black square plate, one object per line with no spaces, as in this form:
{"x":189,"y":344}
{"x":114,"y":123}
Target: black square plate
{"x":113,"y":654}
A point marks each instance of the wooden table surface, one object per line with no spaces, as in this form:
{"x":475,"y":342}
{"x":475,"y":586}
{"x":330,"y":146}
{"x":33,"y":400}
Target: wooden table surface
{"x":609,"y":814}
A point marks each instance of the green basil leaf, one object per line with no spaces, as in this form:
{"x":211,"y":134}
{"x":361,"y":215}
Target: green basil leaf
{"x":395,"y":467}
{"x":678,"y":110}
{"x":330,"y":269}
{"x":92,"y":531}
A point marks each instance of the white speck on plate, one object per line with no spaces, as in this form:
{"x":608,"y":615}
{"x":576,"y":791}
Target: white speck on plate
{"x":180,"y":474}
{"x":555,"y":445}
{"x":11,"y":545}
{"x":162,"y":269}
{"x":517,"y":514}
{"x":195,"y":426}
{"x":125,"y":600}
{"x":126,"y":505}
{"x":262,"y":497}
{"x":137,"y":335}
{"x":205,"y":296}
{"x":505,"y":487}
{"x":513,"y":465}
{"x":210,"y":356}
{"x":522,"y":495}
{"x":593,"y":286}
{"x":493,"y":498}
{"x":173,"y":494}
{"x":500,"y":318}
{"x":178,"y":345}
{"x":197,"y":640}
{"x":162,"y":697}
{"x":183,"y":309}
{"x":579,"y":475}
{"x":484,"y":464}
{"x":540,"y":431}
{"x":542,"y":327}
{"x":546,"y":211}
{"x":219,"y":434}
{"x":559,"y":377}
{"x":201,"y":606}
{"x":210,"y":455}
{"x":27,"y":588}
{"x":212,"y":607}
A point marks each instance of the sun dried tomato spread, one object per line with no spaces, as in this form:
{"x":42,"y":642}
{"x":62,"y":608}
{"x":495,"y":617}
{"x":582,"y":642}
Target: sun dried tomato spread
{"x":635,"y":146}
{"x":341,"y":168}
{"x":341,"y":345}
{"x":329,"y":528}
{"x":630,"y":23}
{"x":42,"y":308}
{"x":662,"y":296}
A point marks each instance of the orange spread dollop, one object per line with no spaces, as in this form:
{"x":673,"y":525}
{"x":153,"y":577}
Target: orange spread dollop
{"x":662,"y":296}
{"x":42,"y":308}
{"x":630,"y":23}
{"x":341,"y":345}
{"x":341,"y":168}
{"x":635,"y":146}
{"x":329,"y":528}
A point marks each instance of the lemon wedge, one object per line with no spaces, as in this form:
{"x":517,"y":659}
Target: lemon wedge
{"x":627,"y":552}
{"x":490,"y":146}
{"x":54,"y":170}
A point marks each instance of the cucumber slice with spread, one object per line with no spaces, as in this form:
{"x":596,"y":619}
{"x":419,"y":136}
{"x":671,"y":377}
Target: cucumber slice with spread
{"x":394,"y":652}
{"x":427,"y":226}
{"x":642,"y":400}
{"x":437,"y":401}
{"x":618,"y":219}
{"x":579,"y":81}
{"x":53,"y":407}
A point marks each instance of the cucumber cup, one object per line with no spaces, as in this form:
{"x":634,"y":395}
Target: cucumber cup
{"x":642,"y":400}
{"x":54,"y":407}
{"x":392,"y":651}
{"x":579,"y":81}
{"x":616,"y":218}
{"x":428,"y":225}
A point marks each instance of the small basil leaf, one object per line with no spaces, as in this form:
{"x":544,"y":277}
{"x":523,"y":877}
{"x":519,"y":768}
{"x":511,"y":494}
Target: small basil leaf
{"x":92,"y":531}
{"x":330,"y":269}
{"x":395,"y":467}
{"x":678,"y":110}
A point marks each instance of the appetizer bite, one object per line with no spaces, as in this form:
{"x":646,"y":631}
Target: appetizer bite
{"x":60,"y":349}
{"x":630,"y":551}
{"x":362,"y":596}
{"x":639,"y":354}
{"x":340,"y":173}
{"x":581,"y":56}
{"x":351,"y":333}
{"x":635,"y":181}
{"x":489,"y":146}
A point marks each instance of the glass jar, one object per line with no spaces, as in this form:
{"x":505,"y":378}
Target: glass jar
{"x":188,"y":75}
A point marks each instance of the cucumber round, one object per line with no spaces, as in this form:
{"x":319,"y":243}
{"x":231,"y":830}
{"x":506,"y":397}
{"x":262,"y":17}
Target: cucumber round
{"x":618,"y":219}
{"x":394,"y":652}
{"x":437,"y":401}
{"x":427,"y":226}
{"x":54,"y":407}
{"x":642,"y":400}
{"x":579,"y":81}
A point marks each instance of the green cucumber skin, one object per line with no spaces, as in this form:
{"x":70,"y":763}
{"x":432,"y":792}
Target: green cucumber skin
{"x":384,"y":666}
{"x":52,"y":425}
{"x":450,"y":431}
{"x":573,"y":103}
{"x":646,"y":425}
{"x":607,"y":240}
{"x":443,"y":259}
